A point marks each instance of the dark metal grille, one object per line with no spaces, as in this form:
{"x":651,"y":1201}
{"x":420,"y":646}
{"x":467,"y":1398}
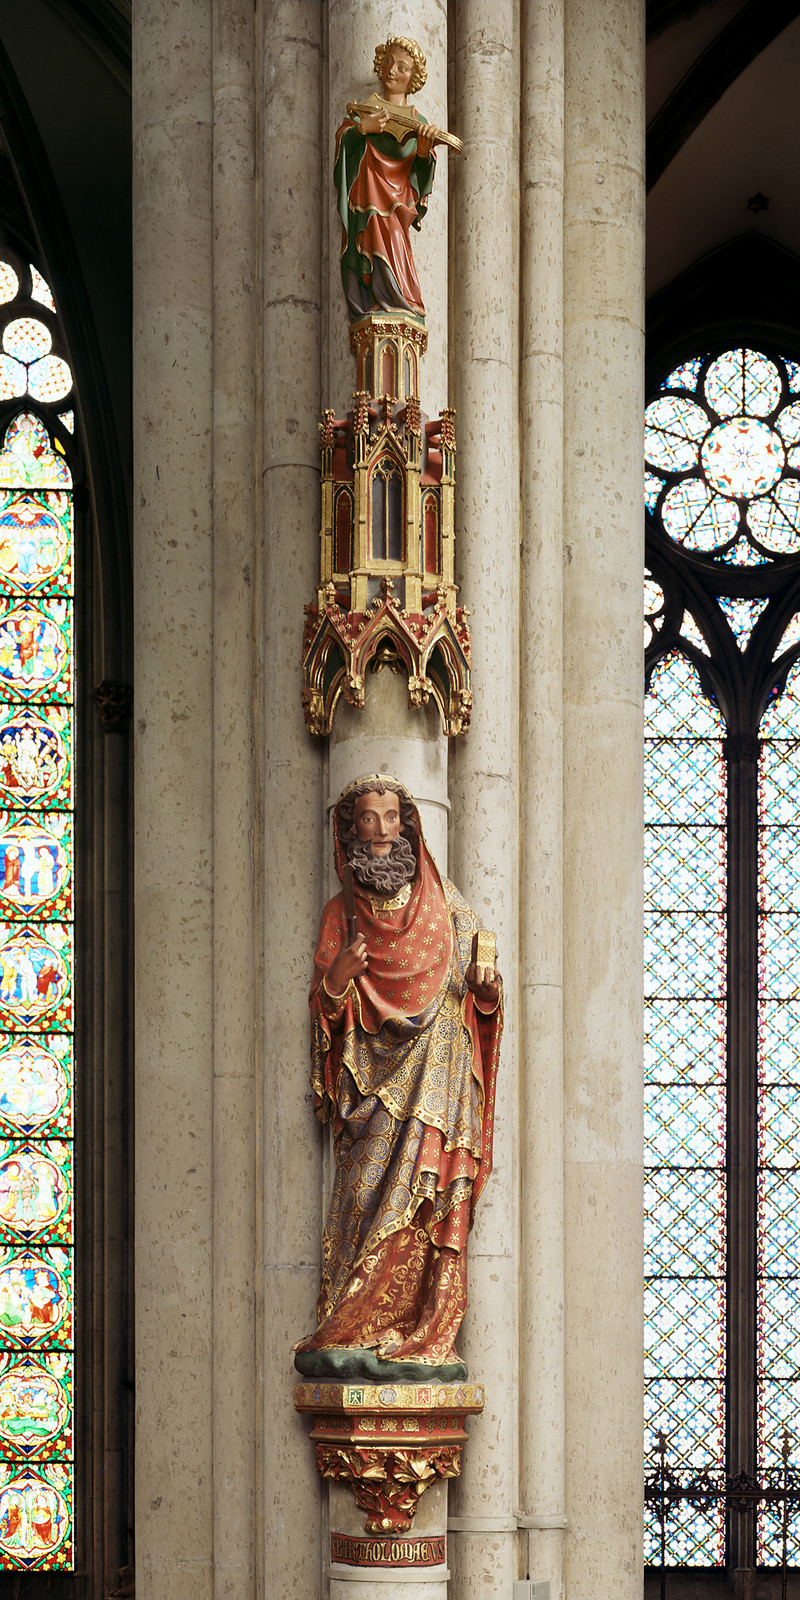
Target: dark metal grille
{"x":671,"y":1496}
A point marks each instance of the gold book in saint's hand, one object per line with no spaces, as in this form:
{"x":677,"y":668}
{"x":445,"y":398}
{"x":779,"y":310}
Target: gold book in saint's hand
{"x":484,"y":949}
{"x":401,"y":120}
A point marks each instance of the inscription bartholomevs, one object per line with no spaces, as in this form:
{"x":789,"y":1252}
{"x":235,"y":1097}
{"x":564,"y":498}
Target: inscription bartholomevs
{"x":352,"y":1552}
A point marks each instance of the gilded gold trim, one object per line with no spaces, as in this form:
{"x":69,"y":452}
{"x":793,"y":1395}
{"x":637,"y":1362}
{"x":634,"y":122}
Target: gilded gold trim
{"x":351,"y":623}
{"x":395,"y":904}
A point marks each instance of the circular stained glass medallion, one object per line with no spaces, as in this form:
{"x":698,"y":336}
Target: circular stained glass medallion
{"x":34,"y":977}
{"x":743,"y":458}
{"x":34,"y":1299}
{"x":693,"y":516}
{"x":34,"y":866}
{"x":789,"y":424}
{"x":33,"y":1084}
{"x":34,"y":759}
{"x":50,"y":379}
{"x":33,"y":1191}
{"x":27,"y":338}
{"x":34,"y":647}
{"x":34,"y":538}
{"x":33,"y":1404}
{"x":741,"y":383}
{"x":673,"y":430}
{"x":34,"y":1518}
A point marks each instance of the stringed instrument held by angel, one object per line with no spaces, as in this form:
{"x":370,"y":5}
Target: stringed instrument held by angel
{"x":399,"y":119}
{"x":383,"y":173}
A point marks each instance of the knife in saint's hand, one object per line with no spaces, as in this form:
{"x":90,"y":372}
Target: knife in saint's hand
{"x":349,"y":903}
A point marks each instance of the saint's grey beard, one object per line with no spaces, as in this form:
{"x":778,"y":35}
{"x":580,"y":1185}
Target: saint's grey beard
{"x":384,"y":875}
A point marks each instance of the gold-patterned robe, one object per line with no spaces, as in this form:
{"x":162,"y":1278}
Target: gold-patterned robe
{"x":405,"y":1064}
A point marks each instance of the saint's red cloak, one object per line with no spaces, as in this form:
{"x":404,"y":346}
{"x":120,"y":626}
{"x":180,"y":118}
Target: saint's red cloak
{"x":405,"y":1065}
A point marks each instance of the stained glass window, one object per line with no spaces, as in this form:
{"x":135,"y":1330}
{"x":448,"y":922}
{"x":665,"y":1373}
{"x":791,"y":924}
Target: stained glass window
{"x":722,"y":978}
{"x":36,"y":939}
{"x":742,"y":616}
{"x":723,"y":456}
{"x":778,"y":1327}
{"x":685,"y":1085}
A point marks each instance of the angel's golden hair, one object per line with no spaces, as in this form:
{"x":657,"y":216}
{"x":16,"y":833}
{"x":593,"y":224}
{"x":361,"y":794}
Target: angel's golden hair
{"x":419,"y":75}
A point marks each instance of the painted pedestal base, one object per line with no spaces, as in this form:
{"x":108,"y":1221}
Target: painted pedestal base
{"x":388,"y":1451}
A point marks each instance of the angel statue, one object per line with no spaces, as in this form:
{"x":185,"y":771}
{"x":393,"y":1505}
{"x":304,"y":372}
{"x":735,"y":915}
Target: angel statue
{"x":383,"y":173}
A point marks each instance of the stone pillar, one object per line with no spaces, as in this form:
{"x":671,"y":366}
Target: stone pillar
{"x":386,"y":734}
{"x":290,"y":858}
{"x":234,"y":1152}
{"x":387,"y":737}
{"x":483,"y":1547}
{"x":542,"y":1488}
{"x":603,"y":532}
{"x":398,"y":1582}
{"x":174,"y":798}
{"x":194,"y":554}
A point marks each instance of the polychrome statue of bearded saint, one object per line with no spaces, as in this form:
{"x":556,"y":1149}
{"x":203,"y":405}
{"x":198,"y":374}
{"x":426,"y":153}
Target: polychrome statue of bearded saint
{"x":405,"y":1042}
{"x":382,"y":186}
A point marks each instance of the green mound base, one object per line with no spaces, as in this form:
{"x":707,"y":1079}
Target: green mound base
{"x":365,"y":1367}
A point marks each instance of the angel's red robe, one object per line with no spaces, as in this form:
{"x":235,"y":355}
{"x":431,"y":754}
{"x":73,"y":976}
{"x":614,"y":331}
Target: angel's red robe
{"x":382,"y":191}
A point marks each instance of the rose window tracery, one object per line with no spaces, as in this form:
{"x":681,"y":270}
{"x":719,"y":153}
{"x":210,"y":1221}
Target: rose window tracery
{"x":722,"y":446}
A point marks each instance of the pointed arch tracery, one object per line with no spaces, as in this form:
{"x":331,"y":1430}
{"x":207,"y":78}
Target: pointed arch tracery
{"x":722,"y":654}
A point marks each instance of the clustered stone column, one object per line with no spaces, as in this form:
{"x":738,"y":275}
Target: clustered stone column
{"x":541,"y":1108}
{"x":241,"y":338}
{"x":174,"y":763}
{"x":484,"y":788}
{"x":234,"y":799}
{"x":386,"y":735}
{"x":195,"y":792}
{"x":289,"y":853}
{"x":603,"y":787}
